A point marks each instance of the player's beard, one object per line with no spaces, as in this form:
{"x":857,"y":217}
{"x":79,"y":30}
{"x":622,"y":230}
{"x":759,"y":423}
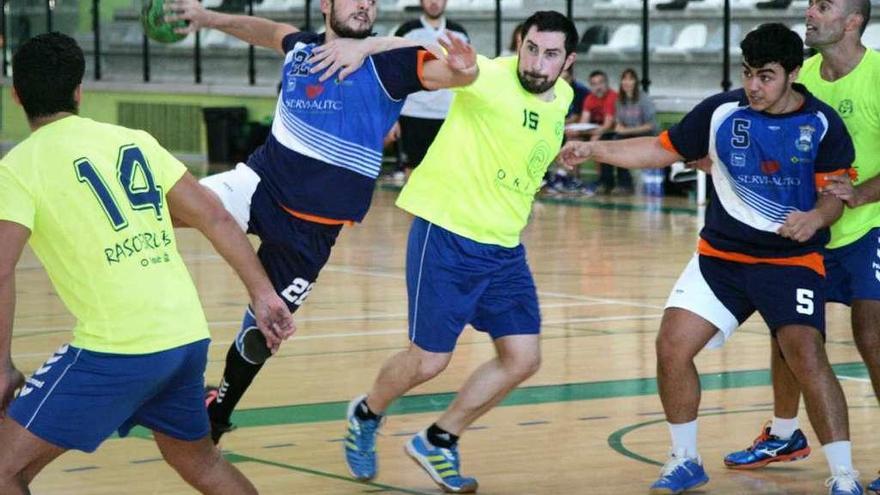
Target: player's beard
{"x":343,"y":31}
{"x":536,"y":83}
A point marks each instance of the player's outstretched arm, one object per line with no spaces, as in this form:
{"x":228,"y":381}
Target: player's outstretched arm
{"x":250,"y":29}
{"x":801,"y":226}
{"x":198,"y":207}
{"x":13,"y":237}
{"x":853,"y":196}
{"x":342,"y":56}
{"x":642,"y":152}
{"x":458,"y":67}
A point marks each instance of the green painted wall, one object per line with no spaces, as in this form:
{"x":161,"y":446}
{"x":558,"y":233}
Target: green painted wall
{"x":102,"y":105}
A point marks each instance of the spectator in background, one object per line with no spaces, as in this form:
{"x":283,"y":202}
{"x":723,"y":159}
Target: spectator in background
{"x":599,"y":108}
{"x":635,"y":116}
{"x":580,"y":94}
{"x":424,"y":112}
{"x":558,"y":179}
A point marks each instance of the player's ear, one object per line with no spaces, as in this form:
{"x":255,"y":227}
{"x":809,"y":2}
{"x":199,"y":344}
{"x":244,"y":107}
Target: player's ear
{"x":569,"y":61}
{"x":793,"y":75}
{"x":15,"y":97}
{"x":77,"y":94}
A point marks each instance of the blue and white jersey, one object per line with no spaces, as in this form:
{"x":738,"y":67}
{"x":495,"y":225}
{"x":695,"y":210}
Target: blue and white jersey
{"x":764,"y":167}
{"x":325,"y":149}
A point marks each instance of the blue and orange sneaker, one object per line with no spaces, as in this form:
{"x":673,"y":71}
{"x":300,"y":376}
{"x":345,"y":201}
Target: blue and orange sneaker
{"x":442,"y":465}
{"x":875,"y":486}
{"x":769,"y":448}
{"x":679,"y":474}
{"x":360,"y":443}
{"x":844,"y":482}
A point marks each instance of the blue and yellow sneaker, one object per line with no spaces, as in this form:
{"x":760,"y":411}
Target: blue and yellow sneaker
{"x":875,"y":486}
{"x":844,"y":482}
{"x":769,"y":448}
{"x":680,"y":473}
{"x":442,"y":465}
{"x":360,"y":443}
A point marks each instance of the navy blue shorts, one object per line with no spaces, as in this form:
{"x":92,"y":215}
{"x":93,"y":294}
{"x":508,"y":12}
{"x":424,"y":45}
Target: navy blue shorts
{"x":78,"y":398}
{"x":727,"y":293}
{"x":293,"y":251}
{"x":853,"y":271}
{"x":452,"y":281}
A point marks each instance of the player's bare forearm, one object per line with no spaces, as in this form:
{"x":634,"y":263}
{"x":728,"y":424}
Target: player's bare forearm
{"x":7,"y":312}
{"x":867,"y":192}
{"x":254,"y":30}
{"x":13,"y":237}
{"x":457,"y":68}
{"x":640,"y":152}
{"x":829,"y":209}
{"x":195,"y":206}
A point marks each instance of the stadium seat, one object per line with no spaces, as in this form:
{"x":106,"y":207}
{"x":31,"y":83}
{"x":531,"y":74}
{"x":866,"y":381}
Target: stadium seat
{"x":625,"y":37}
{"x":693,"y":36}
{"x":593,"y":35}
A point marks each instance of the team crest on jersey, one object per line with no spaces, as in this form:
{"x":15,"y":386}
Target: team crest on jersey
{"x":845,"y":109}
{"x":804,"y":143}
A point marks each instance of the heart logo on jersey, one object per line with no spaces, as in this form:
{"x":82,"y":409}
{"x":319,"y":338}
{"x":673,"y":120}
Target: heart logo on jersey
{"x":769,"y":167}
{"x":314,"y":90}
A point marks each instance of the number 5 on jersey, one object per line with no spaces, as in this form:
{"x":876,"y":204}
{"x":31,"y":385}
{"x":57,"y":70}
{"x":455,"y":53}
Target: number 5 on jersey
{"x":134,"y":175}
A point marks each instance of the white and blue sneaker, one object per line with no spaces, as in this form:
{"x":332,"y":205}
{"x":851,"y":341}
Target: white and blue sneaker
{"x":679,"y":474}
{"x":874,"y":487}
{"x":442,"y":465}
{"x":360,"y":443}
{"x":844,"y":482}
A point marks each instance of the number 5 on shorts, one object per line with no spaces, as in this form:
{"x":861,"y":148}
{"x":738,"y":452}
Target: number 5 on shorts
{"x":804,"y":301}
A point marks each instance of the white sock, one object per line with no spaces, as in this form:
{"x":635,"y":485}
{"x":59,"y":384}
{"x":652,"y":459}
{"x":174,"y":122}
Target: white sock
{"x":684,"y":439}
{"x":783,"y":428}
{"x":839,"y":455}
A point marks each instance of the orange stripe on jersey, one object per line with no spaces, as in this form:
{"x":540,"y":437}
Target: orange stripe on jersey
{"x":422,"y":57}
{"x":822,"y":181}
{"x":813,"y":261}
{"x":316,"y":218}
{"x":667,"y":143}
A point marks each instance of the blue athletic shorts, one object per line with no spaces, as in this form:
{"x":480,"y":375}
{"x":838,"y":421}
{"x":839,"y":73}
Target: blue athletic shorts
{"x":78,"y":398}
{"x":727,"y":293}
{"x":853,"y":271}
{"x":452,"y":281}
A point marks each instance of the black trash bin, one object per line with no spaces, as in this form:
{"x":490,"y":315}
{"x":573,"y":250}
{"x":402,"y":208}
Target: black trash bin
{"x":225,"y":127}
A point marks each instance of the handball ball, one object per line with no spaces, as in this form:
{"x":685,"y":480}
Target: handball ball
{"x":153,"y":19}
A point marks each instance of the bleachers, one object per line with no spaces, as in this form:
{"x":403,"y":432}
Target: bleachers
{"x":685,"y":45}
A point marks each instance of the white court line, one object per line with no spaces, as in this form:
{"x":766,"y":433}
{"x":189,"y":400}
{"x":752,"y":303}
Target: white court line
{"x":853,"y":379}
{"x":389,"y":331}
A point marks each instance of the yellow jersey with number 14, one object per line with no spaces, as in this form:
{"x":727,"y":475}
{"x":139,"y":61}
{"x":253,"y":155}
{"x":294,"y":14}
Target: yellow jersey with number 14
{"x":480,"y":176}
{"x":93,"y":197}
{"x":856,"y":97}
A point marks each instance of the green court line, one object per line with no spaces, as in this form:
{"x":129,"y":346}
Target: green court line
{"x":236,"y":458}
{"x":615,"y":440}
{"x":592,"y":203}
{"x":539,"y":394}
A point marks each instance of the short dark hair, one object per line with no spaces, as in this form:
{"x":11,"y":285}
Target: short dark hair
{"x":863,"y":8}
{"x":598,"y":73}
{"x":773,"y":42}
{"x":550,"y":20}
{"x":46,"y":70}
